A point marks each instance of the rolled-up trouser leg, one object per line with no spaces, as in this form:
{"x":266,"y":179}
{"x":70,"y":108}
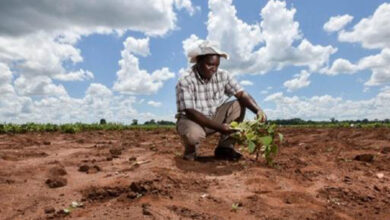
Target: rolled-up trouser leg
{"x":226,"y":113}
{"x":192,"y":134}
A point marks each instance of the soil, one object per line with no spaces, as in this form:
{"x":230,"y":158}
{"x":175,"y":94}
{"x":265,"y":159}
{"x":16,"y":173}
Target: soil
{"x":138,"y":174}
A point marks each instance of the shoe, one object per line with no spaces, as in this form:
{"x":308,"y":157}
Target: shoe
{"x":227,"y":153}
{"x":190,"y":156}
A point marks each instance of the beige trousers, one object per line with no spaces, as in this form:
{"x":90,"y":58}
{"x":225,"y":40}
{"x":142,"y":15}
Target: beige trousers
{"x":192,"y":134}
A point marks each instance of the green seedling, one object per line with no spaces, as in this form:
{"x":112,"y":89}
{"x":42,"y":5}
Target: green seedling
{"x":258,"y":137}
{"x":235,"y":207}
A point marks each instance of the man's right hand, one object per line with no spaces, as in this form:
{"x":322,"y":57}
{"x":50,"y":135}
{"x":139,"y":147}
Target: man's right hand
{"x":226,"y":129}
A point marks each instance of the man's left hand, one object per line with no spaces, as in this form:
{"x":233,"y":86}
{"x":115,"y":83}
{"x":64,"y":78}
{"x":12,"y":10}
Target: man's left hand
{"x":262,"y":116}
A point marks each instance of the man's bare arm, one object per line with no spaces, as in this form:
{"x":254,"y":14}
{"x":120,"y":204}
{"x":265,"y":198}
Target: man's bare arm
{"x":201,"y":119}
{"x":246,"y":100}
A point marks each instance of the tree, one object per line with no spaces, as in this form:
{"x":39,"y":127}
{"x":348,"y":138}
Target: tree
{"x":103,"y":121}
{"x":135,"y":122}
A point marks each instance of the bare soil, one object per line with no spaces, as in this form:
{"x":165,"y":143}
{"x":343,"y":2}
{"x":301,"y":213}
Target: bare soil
{"x":137,"y":174}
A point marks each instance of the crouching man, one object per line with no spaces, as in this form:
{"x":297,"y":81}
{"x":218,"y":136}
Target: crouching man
{"x":201,"y":95}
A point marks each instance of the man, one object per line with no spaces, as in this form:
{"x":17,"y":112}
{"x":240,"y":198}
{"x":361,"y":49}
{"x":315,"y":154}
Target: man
{"x":202,"y":107}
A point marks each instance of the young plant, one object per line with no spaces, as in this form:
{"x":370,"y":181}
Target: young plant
{"x":259,"y":137}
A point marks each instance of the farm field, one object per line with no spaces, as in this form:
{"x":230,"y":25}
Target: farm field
{"x":319,"y":173}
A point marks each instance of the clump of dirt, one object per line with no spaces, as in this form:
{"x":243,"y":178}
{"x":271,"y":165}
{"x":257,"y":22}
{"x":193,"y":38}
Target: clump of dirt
{"x":58,"y":170}
{"x":135,"y":190}
{"x":89,"y":168}
{"x":188,"y":213}
{"x":115,"y":151}
{"x":55,"y":182}
{"x":365,"y":157}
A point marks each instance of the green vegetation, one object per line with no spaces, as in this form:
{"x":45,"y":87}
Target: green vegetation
{"x":259,"y":137}
{"x":152,"y":124}
{"x":74,"y":127}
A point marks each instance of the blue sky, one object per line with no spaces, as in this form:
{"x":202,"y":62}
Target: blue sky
{"x":79,"y":62}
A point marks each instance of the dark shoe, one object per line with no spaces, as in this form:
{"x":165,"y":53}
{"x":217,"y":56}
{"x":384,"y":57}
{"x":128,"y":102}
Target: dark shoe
{"x":189,"y":156}
{"x":226,"y":153}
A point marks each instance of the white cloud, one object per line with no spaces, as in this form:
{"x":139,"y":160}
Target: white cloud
{"x":325,"y":107}
{"x":148,"y":16}
{"x":372,"y":32}
{"x":80,"y":75}
{"x":38,"y":86}
{"x":154,"y":103}
{"x":98,"y":102}
{"x":246,"y":83}
{"x":260,"y":47}
{"x":5,"y":80}
{"x":187,"y":4}
{"x":300,"y":81}
{"x":38,"y":39}
{"x":340,"y":66}
{"x":133,"y":80}
{"x":337,"y":23}
{"x":380,"y":67}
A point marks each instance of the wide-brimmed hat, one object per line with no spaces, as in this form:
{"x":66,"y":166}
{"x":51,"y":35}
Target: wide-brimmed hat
{"x":204,"y":48}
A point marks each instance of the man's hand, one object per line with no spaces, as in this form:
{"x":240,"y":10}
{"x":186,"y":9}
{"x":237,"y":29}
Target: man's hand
{"x":226,"y":129}
{"x":261,"y":115}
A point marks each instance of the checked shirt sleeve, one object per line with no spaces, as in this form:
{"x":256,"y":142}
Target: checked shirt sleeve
{"x":231,"y":86}
{"x":184,"y":96}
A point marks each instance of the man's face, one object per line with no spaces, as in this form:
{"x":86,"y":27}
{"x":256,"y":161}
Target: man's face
{"x":209,"y":65}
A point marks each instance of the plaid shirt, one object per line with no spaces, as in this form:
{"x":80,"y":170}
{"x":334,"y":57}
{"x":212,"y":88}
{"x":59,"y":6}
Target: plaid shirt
{"x":192,"y":92}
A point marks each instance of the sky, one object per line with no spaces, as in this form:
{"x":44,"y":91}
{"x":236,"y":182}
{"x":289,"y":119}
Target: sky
{"x":80,"y":61}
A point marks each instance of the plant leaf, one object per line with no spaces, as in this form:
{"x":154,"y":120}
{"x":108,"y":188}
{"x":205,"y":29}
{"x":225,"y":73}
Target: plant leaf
{"x":251,"y":146}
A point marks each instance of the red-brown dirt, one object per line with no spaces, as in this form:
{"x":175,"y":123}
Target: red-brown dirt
{"x":138,"y":174}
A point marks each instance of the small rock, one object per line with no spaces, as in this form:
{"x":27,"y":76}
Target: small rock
{"x":49,"y":210}
{"x":46,"y":142}
{"x":365,"y":157}
{"x":132,"y":158}
{"x":380,"y":175}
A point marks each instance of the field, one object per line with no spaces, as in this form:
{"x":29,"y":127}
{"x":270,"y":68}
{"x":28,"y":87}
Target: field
{"x":319,"y":173}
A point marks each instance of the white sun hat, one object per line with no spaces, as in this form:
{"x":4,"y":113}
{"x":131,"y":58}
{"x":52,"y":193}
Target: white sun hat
{"x":206,"y":47}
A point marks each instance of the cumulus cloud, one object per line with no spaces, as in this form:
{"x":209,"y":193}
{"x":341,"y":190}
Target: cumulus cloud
{"x":5,"y":80}
{"x":325,"y":107}
{"x":372,"y":32}
{"x":133,"y":80}
{"x":337,"y":23}
{"x":246,"y":83}
{"x":380,"y":67}
{"x":300,"y":81}
{"x":98,"y":102}
{"x":378,"y":64}
{"x":154,"y":103}
{"x":148,"y":16}
{"x":263,"y":46}
{"x":340,"y":66}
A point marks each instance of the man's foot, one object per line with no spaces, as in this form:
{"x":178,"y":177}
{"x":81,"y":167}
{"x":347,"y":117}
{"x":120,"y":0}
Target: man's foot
{"x":190,"y":156}
{"x":227,"y":153}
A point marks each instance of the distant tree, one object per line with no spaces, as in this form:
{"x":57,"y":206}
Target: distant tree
{"x":103,"y":121}
{"x":134,"y":122}
{"x":333,"y":120}
{"x":151,"y":122}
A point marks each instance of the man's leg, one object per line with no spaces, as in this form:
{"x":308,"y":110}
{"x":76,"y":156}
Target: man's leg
{"x":191,"y":135}
{"x":226,"y":113}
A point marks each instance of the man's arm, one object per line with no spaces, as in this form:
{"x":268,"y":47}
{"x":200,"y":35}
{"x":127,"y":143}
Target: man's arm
{"x":206,"y":122}
{"x":246,"y":100}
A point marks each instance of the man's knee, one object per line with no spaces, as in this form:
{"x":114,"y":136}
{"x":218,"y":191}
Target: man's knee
{"x":237,"y":111}
{"x":193,"y":137}
{"x":190,"y":132}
